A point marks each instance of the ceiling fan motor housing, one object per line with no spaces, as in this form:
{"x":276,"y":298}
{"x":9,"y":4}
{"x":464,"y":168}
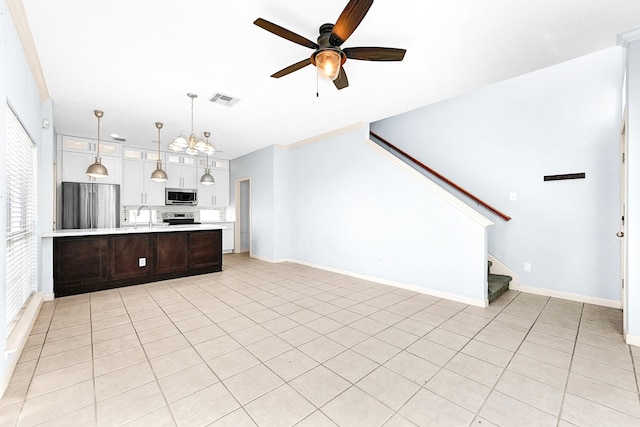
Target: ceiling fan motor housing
{"x":325,"y":44}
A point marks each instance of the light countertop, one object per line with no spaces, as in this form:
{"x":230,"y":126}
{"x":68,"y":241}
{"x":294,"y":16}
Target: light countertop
{"x":141,"y":228}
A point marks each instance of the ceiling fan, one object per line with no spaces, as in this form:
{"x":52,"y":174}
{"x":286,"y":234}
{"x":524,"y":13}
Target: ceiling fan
{"x":328,"y":56}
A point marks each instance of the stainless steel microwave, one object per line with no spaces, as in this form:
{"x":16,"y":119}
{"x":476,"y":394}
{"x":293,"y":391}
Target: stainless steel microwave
{"x":181,"y":196}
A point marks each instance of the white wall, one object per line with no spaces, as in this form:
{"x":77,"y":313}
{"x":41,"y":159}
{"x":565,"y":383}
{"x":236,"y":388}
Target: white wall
{"x":504,"y":138}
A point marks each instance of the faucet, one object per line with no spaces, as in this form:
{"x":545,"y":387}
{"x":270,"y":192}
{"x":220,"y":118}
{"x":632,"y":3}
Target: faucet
{"x":135,"y":224}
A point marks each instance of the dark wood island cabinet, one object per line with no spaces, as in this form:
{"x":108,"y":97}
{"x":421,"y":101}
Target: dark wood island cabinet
{"x":96,"y":262}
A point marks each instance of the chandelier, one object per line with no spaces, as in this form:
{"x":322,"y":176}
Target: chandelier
{"x":192,"y":144}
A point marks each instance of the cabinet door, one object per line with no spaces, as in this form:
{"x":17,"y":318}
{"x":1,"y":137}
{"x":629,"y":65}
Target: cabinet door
{"x":205,"y":249}
{"x":205,"y":195}
{"x":228,"y":240}
{"x":113,"y":165}
{"x":181,"y":176}
{"x":125,"y":253}
{"x":221,"y":187}
{"x":74,"y":166}
{"x":189,"y":179}
{"x":174,"y":175}
{"x":132,"y":192}
{"x":172,"y":253}
{"x":154,"y":191}
{"x":70,"y":143}
{"x":79,"y":264}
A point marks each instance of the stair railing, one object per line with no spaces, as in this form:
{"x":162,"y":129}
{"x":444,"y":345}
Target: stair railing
{"x":441,"y":177}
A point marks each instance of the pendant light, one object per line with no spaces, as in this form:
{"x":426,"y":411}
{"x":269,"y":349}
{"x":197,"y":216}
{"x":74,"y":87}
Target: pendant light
{"x":159,"y":175}
{"x":97,"y":169}
{"x":207,"y":178}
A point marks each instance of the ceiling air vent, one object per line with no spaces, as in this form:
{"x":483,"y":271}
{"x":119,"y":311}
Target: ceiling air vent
{"x":118,"y":138}
{"x":226,"y":100}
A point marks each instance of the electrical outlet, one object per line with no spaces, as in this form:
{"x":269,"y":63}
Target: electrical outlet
{"x":513,"y":197}
{"x":142,"y":262}
{"x":387,"y":261}
{"x":527,"y":267}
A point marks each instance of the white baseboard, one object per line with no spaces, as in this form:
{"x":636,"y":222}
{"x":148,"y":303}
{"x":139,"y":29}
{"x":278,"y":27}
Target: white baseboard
{"x":632,"y":340}
{"x":49,"y":297}
{"x":427,"y":291}
{"x":569,"y":296}
{"x":18,"y":338}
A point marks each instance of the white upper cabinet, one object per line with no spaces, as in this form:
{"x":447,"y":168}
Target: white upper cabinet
{"x":181,"y":171}
{"x":216,"y":195}
{"x":132,"y":167}
{"x":79,"y":153}
{"x":75,"y":164}
{"x":83,"y":145}
{"x":137,"y":187}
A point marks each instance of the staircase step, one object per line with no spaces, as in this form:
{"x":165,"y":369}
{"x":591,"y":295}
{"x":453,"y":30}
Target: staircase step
{"x":498,"y":284}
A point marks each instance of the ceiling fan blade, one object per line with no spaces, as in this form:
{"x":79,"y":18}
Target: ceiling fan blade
{"x":291,"y":68}
{"x":375,"y":53}
{"x":284,"y":33}
{"x":341,"y":81}
{"x":349,"y":20}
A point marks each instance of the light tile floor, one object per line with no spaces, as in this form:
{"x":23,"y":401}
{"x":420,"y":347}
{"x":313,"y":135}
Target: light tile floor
{"x":283,"y":344}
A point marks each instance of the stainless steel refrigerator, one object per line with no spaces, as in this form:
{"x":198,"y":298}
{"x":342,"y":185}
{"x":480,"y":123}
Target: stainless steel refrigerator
{"x":90,"y":205}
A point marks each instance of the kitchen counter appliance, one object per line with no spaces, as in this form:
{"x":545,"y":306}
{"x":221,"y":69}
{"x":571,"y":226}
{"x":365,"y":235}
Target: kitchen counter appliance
{"x":179,"y":218}
{"x":181,"y":196}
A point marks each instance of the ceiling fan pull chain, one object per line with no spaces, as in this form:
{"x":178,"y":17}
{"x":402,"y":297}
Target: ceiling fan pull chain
{"x":317,"y":77}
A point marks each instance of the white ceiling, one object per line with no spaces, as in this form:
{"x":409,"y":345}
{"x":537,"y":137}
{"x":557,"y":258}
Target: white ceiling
{"x":136,"y":60}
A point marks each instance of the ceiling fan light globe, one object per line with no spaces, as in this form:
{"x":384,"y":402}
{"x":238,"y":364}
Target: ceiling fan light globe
{"x":328,"y":62}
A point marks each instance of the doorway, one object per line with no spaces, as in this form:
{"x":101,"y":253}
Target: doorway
{"x":243,"y":216}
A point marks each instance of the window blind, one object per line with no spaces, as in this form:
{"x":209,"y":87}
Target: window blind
{"x":21,"y":263}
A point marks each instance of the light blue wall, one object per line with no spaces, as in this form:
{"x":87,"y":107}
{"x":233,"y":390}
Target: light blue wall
{"x":504,"y":138}
{"x":340,"y":204}
{"x":259,"y":167}
{"x":19,"y":90}
{"x":350,"y":206}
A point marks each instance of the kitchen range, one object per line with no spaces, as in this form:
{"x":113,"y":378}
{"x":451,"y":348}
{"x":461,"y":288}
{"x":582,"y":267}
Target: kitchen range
{"x":179,"y":218}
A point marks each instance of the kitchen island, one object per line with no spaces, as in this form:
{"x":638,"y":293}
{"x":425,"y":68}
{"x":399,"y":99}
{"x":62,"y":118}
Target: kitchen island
{"x":98,"y":259}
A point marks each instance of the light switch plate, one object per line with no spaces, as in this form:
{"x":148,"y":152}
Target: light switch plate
{"x":142,"y":262}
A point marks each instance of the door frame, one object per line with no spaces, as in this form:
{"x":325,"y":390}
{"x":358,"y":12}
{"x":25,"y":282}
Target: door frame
{"x":622,"y":233}
{"x":238,"y":225}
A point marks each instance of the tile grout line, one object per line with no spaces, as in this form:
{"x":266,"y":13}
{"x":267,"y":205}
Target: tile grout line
{"x":493,"y":388}
{"x":566,"y":383}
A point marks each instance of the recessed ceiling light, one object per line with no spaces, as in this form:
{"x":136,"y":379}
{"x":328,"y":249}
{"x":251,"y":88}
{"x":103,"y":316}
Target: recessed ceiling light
{"x":114,"y":135}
